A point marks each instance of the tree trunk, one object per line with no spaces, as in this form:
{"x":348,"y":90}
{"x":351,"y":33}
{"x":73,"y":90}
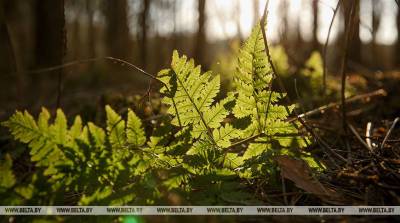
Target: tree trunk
{"x":256,"y":12}
{"x":376,"y":20}
{"x":398,"y":36}
{"x":50,"y":33}
{"x":175,"y":19}
{"x":237,"y":20}
{"x":284,"y":7}
{"x":315,"y":25}
{"x":91,"y":41}
{"x":117,"y":33}
{"x":355,"y":42}
{"x":201,"y":35}
{"x":50,"y":40}
{"x":9,"y":65}
{"x":144,"y":29}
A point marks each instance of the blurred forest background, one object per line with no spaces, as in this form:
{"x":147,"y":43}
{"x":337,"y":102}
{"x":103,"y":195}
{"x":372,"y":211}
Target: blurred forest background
{"x":37,"y":34}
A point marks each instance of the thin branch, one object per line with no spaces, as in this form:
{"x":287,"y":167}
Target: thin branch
{"x":324,"y":73}
{"x":321,"y":109}
{"x":368,"y":131}
{"x":263,"y":23}
{"x":354,"y":131}
{"x":112,"y":59}
{"x":83,"y":61}
{"x":389,"y":132}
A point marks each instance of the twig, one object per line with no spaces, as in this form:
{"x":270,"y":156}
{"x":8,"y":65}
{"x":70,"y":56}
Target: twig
{"x":274,"y":71}
{"x":354,"y":131}
{"x":324,"y":72}
{"x":112,"y":59}
{"x":389,"y":132}
{"x":368,"y":134}
{"x":321,"y":109}
{"x":263,"y":23}
{"x":83,"y":61}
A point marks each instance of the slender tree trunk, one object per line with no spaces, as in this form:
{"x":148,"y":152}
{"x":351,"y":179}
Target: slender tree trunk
{"x":50,"y":32}
{"x":398,"y":36}
{"x":355,"y":41}
{"x":284,"y":6}
{"x":91,"y":30}
{"x":144,"y":30}
{"x":237,"y":20}
{"x":175,"y":19}
{"x":8,"y":59}
{"x":8,"y":63}
{"x":315,"y":25}
{"x":376,"y":15}
{"x":117,"y":33}
{"x":50,"y":38}
{"x":256,"y":12}
{"x":76,"y":36}
{"x":201,"y":35}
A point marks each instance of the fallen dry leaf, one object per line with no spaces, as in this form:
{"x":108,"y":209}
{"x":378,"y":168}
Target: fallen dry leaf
{"x":299,"y":172}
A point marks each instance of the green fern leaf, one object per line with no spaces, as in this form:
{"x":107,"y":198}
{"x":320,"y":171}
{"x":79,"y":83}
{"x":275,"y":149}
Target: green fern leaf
{"x":252,"y":79}
{"x":134,"y":130}
{"x":115,"y":129}
{"x":23,"y":127}
{"x":7,"y":178}
{"x":59,"y":129}
{"x":190,"y":96}
{"x":225,"y":134}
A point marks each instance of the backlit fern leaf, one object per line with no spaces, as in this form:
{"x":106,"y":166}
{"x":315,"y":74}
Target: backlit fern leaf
{"x":115,"y":129}
{"x":190,"y":95}
{"x":253,"y":79}
{"x":41,"y":137}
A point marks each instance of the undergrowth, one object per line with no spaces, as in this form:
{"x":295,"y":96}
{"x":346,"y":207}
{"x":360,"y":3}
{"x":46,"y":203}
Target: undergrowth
{"x":205,"y":151}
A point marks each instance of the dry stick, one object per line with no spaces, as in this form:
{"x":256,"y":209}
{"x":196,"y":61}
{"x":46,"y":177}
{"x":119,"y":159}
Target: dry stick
{"x":77,"y":62}
{"x":267,"y":51}
{"x":354,"y":131}
{"x":321,"y":109}
{"x":368,"y":134}
{"x":389,"y":132}
{"x":149,"y":75}
{"x":324,"y":72}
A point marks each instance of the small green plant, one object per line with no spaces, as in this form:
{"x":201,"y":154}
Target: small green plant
{"x":206,"y":151}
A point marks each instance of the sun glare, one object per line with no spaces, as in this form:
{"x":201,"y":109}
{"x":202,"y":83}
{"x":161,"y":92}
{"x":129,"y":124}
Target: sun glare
{"x":228,"y":18}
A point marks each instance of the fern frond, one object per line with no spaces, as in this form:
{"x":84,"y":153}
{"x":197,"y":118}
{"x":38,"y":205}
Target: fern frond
{"x":23,"y":126}
{"x":42,"y":138}
{"x":225,"y":134}
{"x":252,"y":79}
{"x":7,"y":178}
{"x":193,"y":94}
{"x":255,"y":99}
{"x":115,"y":128}
{"x":134,"y":130}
